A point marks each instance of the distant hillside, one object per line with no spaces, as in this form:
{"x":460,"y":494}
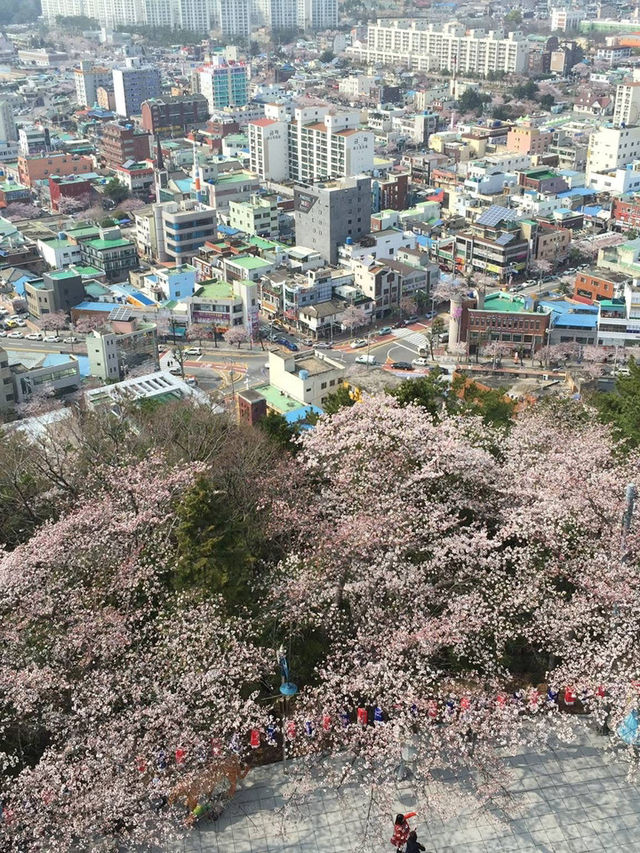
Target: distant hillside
{"x":19,"y":13}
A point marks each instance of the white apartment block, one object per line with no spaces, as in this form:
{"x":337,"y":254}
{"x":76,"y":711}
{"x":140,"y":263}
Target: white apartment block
{"x":317,"y":14}
{"x":88,"y":79}
{"x":612,"y":148}
{"x":318,"y":145}
{"x":278,"y":14}
{"x":421,"y":46}
{"x":234,"y":17}
{"x":627,"y":105}
{"x":193,"y":15}
{"x":566,"y":19}
{"x":8,"y":129}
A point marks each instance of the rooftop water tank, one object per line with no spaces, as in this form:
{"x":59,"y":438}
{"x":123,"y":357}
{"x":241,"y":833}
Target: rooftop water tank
{"x":349,"y":241}
{"x":304,"y":374}
{"x":61,"y":235}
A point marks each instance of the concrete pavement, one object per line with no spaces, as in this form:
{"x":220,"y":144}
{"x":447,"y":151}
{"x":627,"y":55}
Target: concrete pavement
{"x":575,"y":798}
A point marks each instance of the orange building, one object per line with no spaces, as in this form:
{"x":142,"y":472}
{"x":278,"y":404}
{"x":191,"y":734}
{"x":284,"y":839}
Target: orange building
{"x":593,"y":285}
{"x":35,"y":168}
{"x":526,"y":139}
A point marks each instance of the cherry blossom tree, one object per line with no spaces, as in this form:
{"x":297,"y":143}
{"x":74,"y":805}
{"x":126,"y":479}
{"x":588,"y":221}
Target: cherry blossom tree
{"x":21,"y":210}
{"x":495,"y":350}
{"x":117,"y":693}
{"x":129,"y":205}
{"x":236,"y":335}
{"x":352,"y":318}
{"x":54,"y":321}
{"x":452,"y":595}
{"x":449,"y":287}
{"x":84,"y":325}
{"x":73,"y":205}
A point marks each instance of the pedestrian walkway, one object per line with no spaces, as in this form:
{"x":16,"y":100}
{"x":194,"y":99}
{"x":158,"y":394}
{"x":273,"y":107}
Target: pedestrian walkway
{"x":410,"y":336}
{"x":573,"y":799}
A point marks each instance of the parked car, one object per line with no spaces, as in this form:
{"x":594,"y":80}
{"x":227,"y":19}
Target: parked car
{"x":358,"y":343}
{"x":402,"y":365}
{"x":323,"y":345}
{"x":385,"y":330}
{"x":15,"y":335}
{"x":191,"y":380}
{"x":34,"y":336}
{"x":366,"y":359}
{"x":52,"y":339}
{"x":21,"y":322}
{"x":70,"y":340}
{"x":430,"y":315}
{"x":3,"y":334}
{"x":307,"y":342}
{"x":274,"y":338}
{"x":420,"y":362}
{"x":413,"y":319}
{"x":193,"y":351}
{"x":290,"y":345}
{"x":175,"y":371}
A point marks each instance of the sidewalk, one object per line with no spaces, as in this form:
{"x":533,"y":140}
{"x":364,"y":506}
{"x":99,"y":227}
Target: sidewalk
{"x":574,"y":799}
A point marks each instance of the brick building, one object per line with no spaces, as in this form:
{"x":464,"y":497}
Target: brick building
{"x":120,"y":142}
{"x":543,"y":181}
{"x":597,"y":284}
{"x":174,"y":115}
{"x":625,"y":212}
{"x":252,"y":406}
{"x":503,"y":317}
{"x":61,"y":188}
{"x":32,"y":168}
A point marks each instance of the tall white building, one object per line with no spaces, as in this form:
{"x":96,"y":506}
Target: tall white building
{"x":317,"y":14}
{"x":316,"y":144}
{"x":234,"y":17}
{"x":627,"y":106}
{"x":133,"y":85}
{"x":566,"y":19}
{"x":8,"y":129}
{"x":612,"y":148}
{"x":421,"y":46}
{"x":279,"y":14}
{"x":88,"y":79}
{"x":71,"y":8}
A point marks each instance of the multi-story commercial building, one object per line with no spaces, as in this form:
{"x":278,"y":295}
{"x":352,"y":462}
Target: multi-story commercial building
{"x":129,"y":345}
{"x":328,"y":214}
{"x":319,"y":145}
{"x":594,"y":285}
{"x":494,"y":244}
{"x":120,"y":142}
{"x":258,"y":216}
{"x":137,"y":177}
{"x":500,"y":317}
{"x":112,"y":253}
{"x":422,"y":46}
{"x":8,"y":129}
{"x":33,"y":168}
{"x":58,"y":290}
{"x":306,"y":377}
{"x":174,"y":115}
{"x":317,"y":14}
{"x":527,"y":139}
{"x":234,"y":18}
{"x":224,"y":84}
{"x":33,"y":139}
{"x":182,"y":228}
{"x":7,"y":398}
{"x":133,"y":85}
{"x":88,"y":79}
{"x":619,"y":319}
{"x":565,"y":19}
{"x":221,"y":304}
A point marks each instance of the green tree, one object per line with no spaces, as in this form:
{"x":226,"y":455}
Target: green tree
{"x":546,"y":101}
{"x":430,"y":392}
{"x":513,"y":17}
{"x":279,"y":430}
{"x":433,"y":335}
{"x":338,"y":399}
{"x":525,"y":91}
{"x":491,"y":404}
{"x":76,"y":23}
{"x":326,"y":56}
{"x":621,"y":407}
{"x":116,"y":191}
{"x":471,"y":100}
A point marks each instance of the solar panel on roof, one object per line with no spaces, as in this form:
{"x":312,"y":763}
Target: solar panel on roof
{"x":122,"y":312}
{"x":494,"y":215}
{"x":504,"y":238}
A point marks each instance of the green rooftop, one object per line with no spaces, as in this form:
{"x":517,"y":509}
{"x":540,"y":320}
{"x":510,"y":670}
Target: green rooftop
{"x":101,"y":245}
{"x":219,"y":289}
{"x":57,"y":243}
{"x":60,"y":274}
{"x":266,"y":245}
{"x":83,"y":231}
{"x":9,"y":186}
{"x":235,"y":178}
{"x":504,"y":304}
{"x":250,"y":262}
{"x":87,"y":272}
{"x":277,"y":400}
{"x":95,"y":288}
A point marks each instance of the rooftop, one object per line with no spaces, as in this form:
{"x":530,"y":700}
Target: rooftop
{"x":249,"y":262}
{"x":60,"y":274}
{"x":102,"y":245}
{"x":215,"y":290}
{"x":277,"y":400}
{"x":504,"y":304}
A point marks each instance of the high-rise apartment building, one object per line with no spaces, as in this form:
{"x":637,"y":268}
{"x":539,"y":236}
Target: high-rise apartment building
{"x":133,"y":85}
{"x":627,"y":105}
{"x":566,"y":19}
{"x":279,"y":14}
{"x":8,"y":129}
{"x":431,"y":47}
{"x":224,"y":84}
{"x":174,"y":115}
{"x":88,"y":79}
{"x":328,"y":214}
{"x":317,"y":14}
{"x":234,"y":17}
{"x":319,"y":145}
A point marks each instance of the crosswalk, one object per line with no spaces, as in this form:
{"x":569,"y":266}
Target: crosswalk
{"x":416,"y":339}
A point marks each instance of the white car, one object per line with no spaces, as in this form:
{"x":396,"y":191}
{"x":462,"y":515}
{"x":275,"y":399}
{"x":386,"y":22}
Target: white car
{"x":193,"y":351}
{"x":3,"y":334}
{"x":15,"y":335}
{"x":34,"y":336}
{"x":420,"y":362}
{"x":21,"y":322}
{"x":323,"y":345}
{"x":70,"y":340}
{"x":358,"y":343}
{"x":366,"y":359}
{"x":52,"y":339}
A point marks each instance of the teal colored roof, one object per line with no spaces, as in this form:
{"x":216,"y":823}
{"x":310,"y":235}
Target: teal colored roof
{"x":277,"y":400}
{"x":87,"y":272}
{"x":249,"y":262}
{"x":56,"y":243}
{"x":58,"y":274}
{"x":503,"y":304}
{"x":261,"y":243}
{"x":215,"y":290}
{"x":100,"y":245}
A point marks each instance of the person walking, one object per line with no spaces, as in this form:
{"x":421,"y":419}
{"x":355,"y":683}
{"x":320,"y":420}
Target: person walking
{"x":413,"y":845}
{"x":401,"y":830}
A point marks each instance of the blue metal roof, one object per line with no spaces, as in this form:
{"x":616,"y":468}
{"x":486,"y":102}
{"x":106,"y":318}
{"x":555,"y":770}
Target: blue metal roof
{"x":96,"y":306}
{"x":576,"y":191}
{"x":581,"y":321}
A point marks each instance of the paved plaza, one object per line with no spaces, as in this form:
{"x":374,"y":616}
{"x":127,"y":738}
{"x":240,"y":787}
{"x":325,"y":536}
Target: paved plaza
{"x":572,"y":799}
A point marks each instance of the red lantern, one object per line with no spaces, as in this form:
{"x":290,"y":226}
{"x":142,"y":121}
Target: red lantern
{"x":141,"y":765}
{"x":255,"y":738}
{"x":534,"y":699}
{"x":326,"y":722}
{"x":433,"y":709}
{"x":291,"y":730}
{"x":501,"y":700}
{"x":600,"y":691}
{"x":362,"y":716}
{"x":216,"y":746}
{"x":180,"y":755}
{"x":569,"y":697}
{"x":465,"y":704}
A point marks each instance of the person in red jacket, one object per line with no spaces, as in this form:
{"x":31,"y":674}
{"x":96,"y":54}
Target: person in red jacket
{"x":401,"y":830}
